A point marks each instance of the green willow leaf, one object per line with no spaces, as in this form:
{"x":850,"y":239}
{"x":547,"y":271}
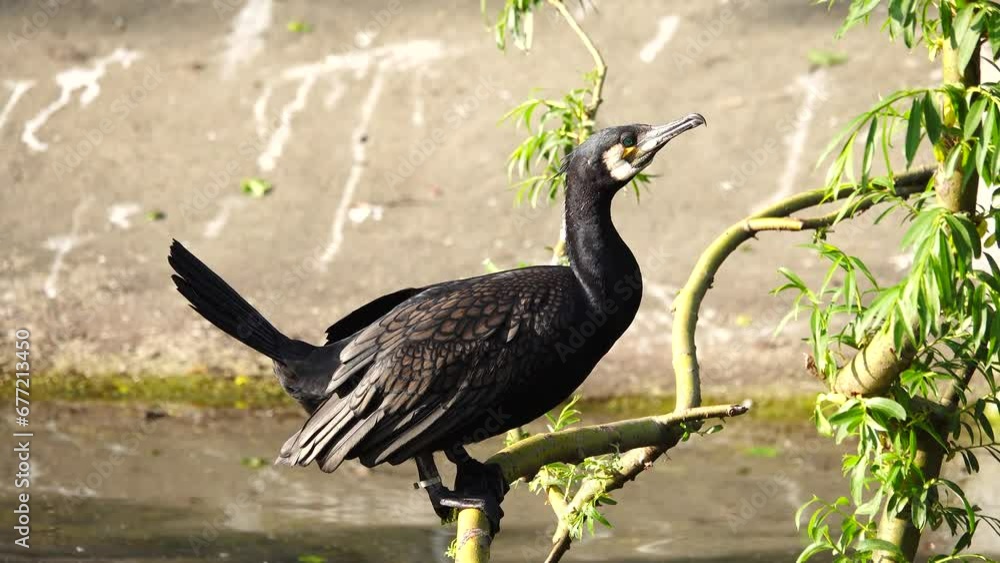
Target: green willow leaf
{"x":947,"y":23}
{"x":993,"y":32}
{"x":952,"y":161}
{"x":888,"y":407}
{"x":866,"y":162}
{"x":932,"y":119}
{"x":968,"y":38}
{"x":962,"y":24}
{"x":812,"y":549}
{"x":873,"y":544}
{"x":913,"y":132}
{"x":859,"y":12}
{"x":973,"y":118}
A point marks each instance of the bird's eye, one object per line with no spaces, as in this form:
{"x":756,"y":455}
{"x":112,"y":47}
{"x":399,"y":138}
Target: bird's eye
{"x":628,"y":140}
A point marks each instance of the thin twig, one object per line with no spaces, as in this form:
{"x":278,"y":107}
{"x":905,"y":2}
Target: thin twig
{"x":560,"y":546}
{"x":596,"y":93}
{"x":600,"y":68}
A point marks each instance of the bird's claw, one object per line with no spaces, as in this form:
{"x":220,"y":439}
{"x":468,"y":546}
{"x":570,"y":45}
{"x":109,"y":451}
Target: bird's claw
{"x":477,"y":486}
{"x":487,"y":483}
{"x":490,"y":506}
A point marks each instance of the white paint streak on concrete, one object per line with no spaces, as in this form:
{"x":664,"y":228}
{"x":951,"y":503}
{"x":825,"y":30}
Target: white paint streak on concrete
{"x":62,"y":245}
{"x":244,"y":41}
{"x":226,"y":208}
{"x":260,"y":112}
{"x":364,"y":211}
{"x":814,"y":90}
{"x":398,"y":57}
{"x":418,"y":99}
{"x":276,"y":144}
{"x":69,"y":81}
{"x":119,"y":214}
{"x":655,"y":547}
{"x":357,"y":167}
{"x":395,"y":57}
{"x":664,"y":33}
{"x":337,"y":89}
{"x":17,"y":89}
{"x":364,"y":39}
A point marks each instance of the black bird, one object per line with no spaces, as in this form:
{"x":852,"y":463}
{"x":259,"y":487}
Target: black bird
{"x":430,"y":369}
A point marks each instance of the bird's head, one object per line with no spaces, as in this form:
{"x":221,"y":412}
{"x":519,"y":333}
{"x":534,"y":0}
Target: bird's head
{"x":611,"y":157}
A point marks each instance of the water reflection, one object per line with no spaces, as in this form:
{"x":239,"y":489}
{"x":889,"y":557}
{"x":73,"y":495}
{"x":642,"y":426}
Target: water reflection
{"x":191,"y":489}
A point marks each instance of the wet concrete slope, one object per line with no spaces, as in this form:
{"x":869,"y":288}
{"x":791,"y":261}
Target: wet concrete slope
{"x":377,"y":128}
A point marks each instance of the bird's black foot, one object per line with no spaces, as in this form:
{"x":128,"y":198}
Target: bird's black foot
{"x":485,"y":482}
{"x":477,"y":486}
{"x":445,"y":502}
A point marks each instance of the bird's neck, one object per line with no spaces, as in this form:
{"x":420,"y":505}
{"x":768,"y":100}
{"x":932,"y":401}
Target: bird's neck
{"x":600,"y":259}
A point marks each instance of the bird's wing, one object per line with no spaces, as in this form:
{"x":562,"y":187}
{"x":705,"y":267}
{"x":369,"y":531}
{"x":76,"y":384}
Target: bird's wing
{"x":435,"y":362}
{"x":367,"y":314}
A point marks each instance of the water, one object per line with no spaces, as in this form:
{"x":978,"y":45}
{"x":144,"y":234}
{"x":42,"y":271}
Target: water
{"x":197,"y":486}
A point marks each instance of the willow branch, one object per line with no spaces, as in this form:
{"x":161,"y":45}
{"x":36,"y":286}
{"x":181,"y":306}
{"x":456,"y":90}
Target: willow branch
{"x":573,"y":445}
{"x":523,"y":459}
{"x":688,"y":302}
{"x":473,"y":537}
{"x":557,"y":499}
{"x":875,"y":367}
{"x":957,"y":193}
{"x":596,"y":93}
{"x":775,"y":217}
{"x":600,"y":67}
{"x":629,"y":466}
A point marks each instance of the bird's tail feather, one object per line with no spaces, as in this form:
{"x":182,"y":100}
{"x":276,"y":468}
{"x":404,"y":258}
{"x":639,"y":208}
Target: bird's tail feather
{"x":215,"y":300}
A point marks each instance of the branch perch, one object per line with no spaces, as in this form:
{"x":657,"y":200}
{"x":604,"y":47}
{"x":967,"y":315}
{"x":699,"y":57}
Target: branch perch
{"x":688,"y":302}
{"x":523,"y":459}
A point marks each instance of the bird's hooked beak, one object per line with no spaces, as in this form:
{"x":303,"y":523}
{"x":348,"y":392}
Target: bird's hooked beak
{"x":657,"y":137}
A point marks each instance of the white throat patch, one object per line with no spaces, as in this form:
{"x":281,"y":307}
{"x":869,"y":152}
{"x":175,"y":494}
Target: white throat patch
{"x":618,"y":167}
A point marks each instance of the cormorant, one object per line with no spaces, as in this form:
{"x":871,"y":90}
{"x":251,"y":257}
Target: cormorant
{"x":430,"y":369}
